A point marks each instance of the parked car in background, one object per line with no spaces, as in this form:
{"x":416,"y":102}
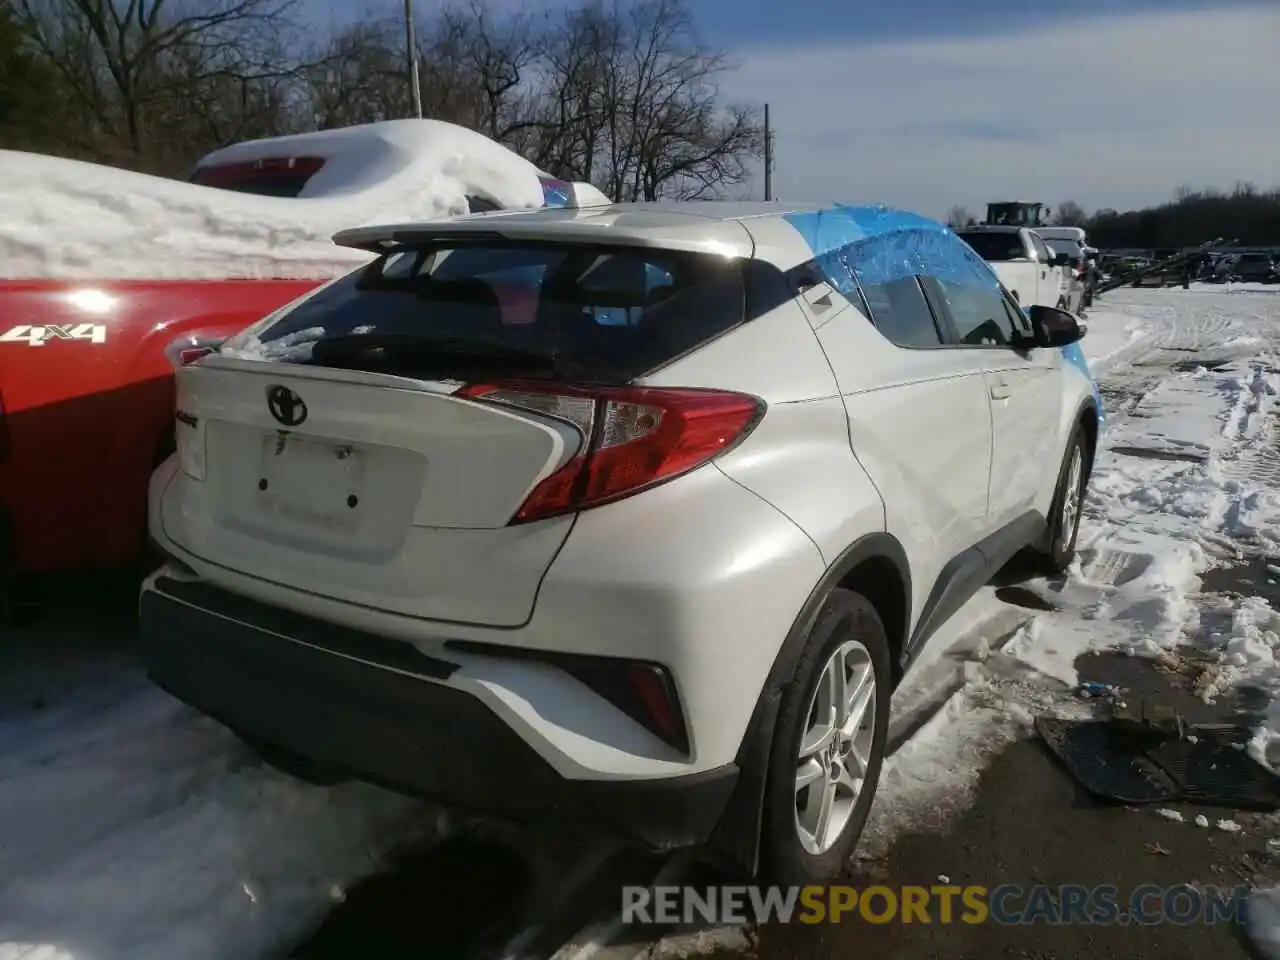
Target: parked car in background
{"x":1077,"y":272}
{"x":1254,"y":268}
{"x":1129,"y":264}
{"x":1024,"y":263}
{"x":111,"y":275}
{"x":660,"y":548}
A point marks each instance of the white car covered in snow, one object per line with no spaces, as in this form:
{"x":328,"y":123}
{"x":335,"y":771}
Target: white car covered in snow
{"x":392,"y":158}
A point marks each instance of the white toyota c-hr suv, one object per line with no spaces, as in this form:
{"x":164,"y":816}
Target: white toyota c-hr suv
{"x":631,"y":516}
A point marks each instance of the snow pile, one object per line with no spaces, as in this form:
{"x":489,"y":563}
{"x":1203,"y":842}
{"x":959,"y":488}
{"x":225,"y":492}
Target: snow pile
{"x":132,"y":828}
{"x":1264,"y":922}
{"x":1255,"y":634}
{"x":1153,"y":525}
{"x":74,"y":220}
{"x":1111,"y":335}
{"x":1198,"y":458}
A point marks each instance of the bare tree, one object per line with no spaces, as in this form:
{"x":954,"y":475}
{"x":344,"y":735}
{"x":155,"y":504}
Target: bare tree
{"x":30,"y":97}
{"x":1070,"y":214}
{"x":492,"y":57}
{"x":625,"y":95}
{"x":130,"y":61}
{"x":958,"y":216}
{"x":665,"y":131}
{"x":358,"y":76}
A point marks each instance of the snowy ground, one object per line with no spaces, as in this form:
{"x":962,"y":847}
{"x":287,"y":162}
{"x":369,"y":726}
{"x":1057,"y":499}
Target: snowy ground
{"x":130,"y":828}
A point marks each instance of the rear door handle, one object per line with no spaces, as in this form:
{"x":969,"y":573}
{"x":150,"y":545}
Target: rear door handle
{"x":1000,"y":391}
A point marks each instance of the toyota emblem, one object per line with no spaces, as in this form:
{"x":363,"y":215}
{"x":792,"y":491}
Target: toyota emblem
{"x":286,"y":406}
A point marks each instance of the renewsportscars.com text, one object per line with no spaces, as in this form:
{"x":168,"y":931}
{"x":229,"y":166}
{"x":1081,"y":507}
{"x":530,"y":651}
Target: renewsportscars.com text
{"x":1005,"y":904}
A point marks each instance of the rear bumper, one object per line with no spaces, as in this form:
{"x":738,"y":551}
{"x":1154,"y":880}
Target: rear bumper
{"x":361,"y":706}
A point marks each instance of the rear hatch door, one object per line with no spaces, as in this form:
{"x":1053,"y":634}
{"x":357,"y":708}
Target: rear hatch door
{"x":327,"y":451}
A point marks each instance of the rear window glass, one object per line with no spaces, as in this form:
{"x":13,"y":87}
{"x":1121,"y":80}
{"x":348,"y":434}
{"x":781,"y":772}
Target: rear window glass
{"x":273,"y":177}
{"x":995,"y":245}
{"x":601,"y":313}
{"x":1071,"y":248}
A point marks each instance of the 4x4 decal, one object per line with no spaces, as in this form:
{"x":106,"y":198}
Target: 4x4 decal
{"x":38,"y":336}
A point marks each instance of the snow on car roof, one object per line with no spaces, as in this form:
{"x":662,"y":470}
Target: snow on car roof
{"x":364,"y":156}
{"x":75,"y":220}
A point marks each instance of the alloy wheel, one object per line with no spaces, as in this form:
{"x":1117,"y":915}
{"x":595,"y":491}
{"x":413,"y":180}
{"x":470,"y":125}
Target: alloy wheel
{"x":835,"y":748}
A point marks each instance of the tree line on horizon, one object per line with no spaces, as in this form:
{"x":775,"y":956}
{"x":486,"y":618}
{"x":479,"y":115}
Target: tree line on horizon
{"x":1193,"y":217}
{"x":622,"y":94}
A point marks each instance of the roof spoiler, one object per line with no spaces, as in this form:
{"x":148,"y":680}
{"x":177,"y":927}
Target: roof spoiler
{"x":378,"y":239}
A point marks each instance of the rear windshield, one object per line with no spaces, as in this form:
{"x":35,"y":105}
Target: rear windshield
{"x":995,"y":245}
{"x":272,"y":177}
{"x":1071,"y":248}
{"x":602,"y":313}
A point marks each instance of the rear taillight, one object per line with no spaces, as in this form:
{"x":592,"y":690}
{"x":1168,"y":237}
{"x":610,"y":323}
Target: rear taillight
{"x":192,"y":354}
{"x":636,"y":437}
{"x":191,"y":347}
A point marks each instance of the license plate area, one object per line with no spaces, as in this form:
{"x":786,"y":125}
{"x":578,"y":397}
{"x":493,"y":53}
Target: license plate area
{"x":316,"y":484}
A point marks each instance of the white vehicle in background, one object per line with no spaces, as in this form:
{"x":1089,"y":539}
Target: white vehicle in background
{"x":1024,"y":263}
{"x":1079,"y":273}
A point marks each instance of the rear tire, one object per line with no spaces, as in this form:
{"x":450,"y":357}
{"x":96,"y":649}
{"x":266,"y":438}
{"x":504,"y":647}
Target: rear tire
{"x":1058,"y":549}
{"x":799,"y":845}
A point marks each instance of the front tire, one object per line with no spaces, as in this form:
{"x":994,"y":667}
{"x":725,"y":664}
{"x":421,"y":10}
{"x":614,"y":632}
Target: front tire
{"x":1059,"y":548}
{"x":828,"y":745}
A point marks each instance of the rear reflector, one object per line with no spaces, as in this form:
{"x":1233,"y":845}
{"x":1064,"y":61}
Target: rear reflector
{"x":636,"y":437}
{"x":641,"y":690}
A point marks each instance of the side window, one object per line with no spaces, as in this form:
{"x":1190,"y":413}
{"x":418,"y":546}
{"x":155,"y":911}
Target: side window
{"x":481,"y":205}
{"x":980,"y":314}
{"x":1016,"y":316}
{"x":1043,"y":253}
{"x":901,"y":313}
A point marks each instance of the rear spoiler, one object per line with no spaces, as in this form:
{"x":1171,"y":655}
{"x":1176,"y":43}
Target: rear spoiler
{"x":557,"y":195}
{"x":382,"y":238}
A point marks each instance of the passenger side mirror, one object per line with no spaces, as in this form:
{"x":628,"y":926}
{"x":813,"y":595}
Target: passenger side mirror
{"x":1052,"y":327}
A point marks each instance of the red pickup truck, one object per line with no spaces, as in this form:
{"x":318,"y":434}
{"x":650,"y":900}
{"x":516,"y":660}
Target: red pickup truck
{"x":112,"y":275}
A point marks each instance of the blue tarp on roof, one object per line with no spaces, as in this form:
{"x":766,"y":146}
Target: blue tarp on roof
{"x":883,"y":245}
{"x":891,"y":244}
{"x":555,"y":193}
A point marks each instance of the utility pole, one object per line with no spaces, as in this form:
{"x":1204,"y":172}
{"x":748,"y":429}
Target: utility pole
{"x":768,"y":156}
{"x":411,"y":53}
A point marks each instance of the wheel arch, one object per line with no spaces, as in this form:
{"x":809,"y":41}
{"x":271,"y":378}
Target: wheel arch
{"x":876,"y":566}
{"x":1088,"y":420}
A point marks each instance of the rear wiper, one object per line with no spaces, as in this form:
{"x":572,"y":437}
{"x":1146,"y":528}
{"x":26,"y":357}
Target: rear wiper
{"x":404,"y":350}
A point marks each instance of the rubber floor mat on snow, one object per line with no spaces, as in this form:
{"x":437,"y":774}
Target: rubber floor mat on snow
{"x":1109,"y":763}
{"x":1216,"y":770}
{"x":1119,"y":761}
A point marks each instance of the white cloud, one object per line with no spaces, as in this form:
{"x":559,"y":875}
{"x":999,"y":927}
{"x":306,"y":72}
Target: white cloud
{"x":1111,"y":113}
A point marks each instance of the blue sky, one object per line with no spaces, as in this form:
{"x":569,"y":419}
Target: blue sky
{"x":1106,"y":102}
{"x":757,"y":22}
